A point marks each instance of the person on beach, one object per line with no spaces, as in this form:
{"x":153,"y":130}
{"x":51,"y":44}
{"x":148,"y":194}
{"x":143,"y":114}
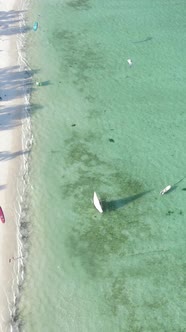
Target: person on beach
{"x":13,"y":258}
{"x":10,"y":259}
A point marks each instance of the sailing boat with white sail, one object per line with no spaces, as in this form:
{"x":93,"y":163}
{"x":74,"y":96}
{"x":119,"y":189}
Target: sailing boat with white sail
{"x":97,"y":203}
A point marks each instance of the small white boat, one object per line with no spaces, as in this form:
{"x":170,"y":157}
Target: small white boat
{"x":129,"y":62}
{"x":162,"y":192}
{"x":97,"y":203}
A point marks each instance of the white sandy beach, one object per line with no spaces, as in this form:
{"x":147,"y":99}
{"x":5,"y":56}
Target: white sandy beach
{"x":11,"y":154}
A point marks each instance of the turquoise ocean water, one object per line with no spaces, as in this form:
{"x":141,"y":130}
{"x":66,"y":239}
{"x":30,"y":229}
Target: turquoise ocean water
{"x":100,"y":125}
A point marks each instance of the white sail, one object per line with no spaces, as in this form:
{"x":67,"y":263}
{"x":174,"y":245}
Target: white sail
{"x":97,"y":203}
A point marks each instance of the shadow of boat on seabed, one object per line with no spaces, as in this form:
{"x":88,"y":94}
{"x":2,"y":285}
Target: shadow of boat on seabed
{"x":119,"y":203}
{"x":175,"y":185}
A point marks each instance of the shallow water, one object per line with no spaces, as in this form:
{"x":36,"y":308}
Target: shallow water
{"x":101,"y":125}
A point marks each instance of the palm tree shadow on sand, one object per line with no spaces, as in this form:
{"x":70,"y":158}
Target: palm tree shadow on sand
{"x":119,"y":203}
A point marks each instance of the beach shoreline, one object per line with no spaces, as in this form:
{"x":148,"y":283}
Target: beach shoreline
{"x":12,"y":154}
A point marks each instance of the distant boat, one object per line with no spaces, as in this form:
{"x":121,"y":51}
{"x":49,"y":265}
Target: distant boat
{"x":97,"y":203}
{"x":129,"y":62}
{"x":35,"y":26}
{"x":2,"y":217}
{"x":164,"y":191}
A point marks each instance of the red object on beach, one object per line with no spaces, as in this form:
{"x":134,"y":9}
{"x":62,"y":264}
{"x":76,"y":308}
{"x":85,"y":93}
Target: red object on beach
{"x":2,"y":217}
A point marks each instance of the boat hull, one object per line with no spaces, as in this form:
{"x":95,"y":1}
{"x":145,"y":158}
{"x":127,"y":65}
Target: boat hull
{"x":165,"y":190}
{"x":97,"y":203}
